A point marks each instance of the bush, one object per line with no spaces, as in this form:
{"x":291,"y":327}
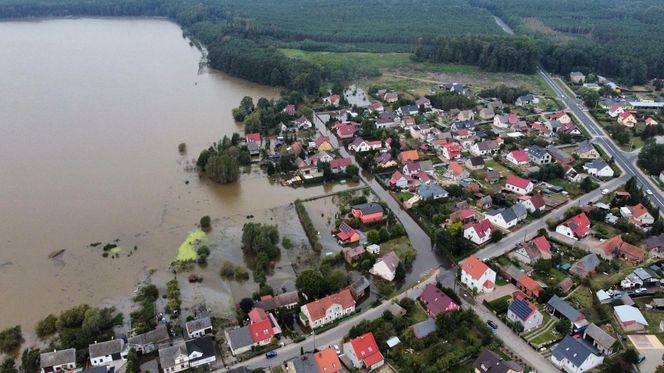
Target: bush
{"x":206,"y":223}
{"x":241,"y":274}
{"x":308,"y":225}
{"x":47,"y":327}
{"x":11,"y":339}
{"x":182,"y":148}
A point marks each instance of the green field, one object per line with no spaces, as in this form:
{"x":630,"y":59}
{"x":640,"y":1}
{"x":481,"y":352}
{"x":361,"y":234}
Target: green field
{"x":187,"y":251}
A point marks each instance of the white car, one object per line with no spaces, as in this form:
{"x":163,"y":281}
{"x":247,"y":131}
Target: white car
{"x":649,"y":192}
{"x":337,"y":349}
{"x":605,"y":191}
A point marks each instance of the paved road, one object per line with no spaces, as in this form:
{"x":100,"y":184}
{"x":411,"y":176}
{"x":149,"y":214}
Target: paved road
{"x":426,"y":258}
{"x":626,"y":160}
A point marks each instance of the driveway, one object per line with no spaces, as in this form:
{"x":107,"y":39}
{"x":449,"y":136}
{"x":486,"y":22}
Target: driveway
{"x":650,"y":347}
{"x":500,"y":292}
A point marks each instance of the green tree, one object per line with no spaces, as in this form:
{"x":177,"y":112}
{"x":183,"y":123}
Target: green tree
{"x":497,"y":235}
{"x":590,"y":97}
{"x":312,"y":284}
{"x":8,"y":366}
{"x":132,"y":362}
{"x":30,"y":360}
{"x":11,"y":339}
{"x":206,"y":223}
{"x":651,"y":158}
{"x":587,"y":185}
{"x":373,"y":237}
{"x":46,"y":327}
{"x":563,"y":326}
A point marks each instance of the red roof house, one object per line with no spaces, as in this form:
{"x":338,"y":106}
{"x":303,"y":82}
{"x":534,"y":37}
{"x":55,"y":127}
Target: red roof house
{"x":437,"y":302}
{"x":345,"y":130}
{"x":253,"y":137}
{"x":347,"y":234}
{"x":363,"y":352}
{"x":518,"y":185}
{"x":518,"y":157}
{"x":326,"y":310}
{"x":575,"y":227}
{"x":529,"y":286}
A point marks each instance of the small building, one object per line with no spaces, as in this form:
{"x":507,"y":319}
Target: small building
{"x":436,"y":301}
{"x":105,"y":353}
{"x":586,"y":150}
{"x":351,"y":255}
{"x":561,"y":308}
{"x":585,"y":266}
{"x":475,"y":163}
{"x":598,"y":168}
{"x":616,"y":247}
{"x":328,"y":309}
{"x":479,"y":233}
{"x":627,"y":119}
{"x":532,"y":251}
{"x":396,"y":310}
{"x":575,"y":355}
{"x":360,"y":288}
{"x":518,"y":185}
{"x":529,"y":286}
{"x":373,"y":249}
{"x":600,"y":339}
{"x":526,"y":100}
{"x":630,"y":318}
{"x":149,"y":341}
{"x":524,"y":313}
{"x":490,"y":362}
{"x":517,"y":157}
{"x":476,"y":275}
{"x":408,"y":155}
{"x":58,"y":361}
{"x":386,"y":266}
{"x":347,"y":235}
{"x":533,"y":203}
{"x":576,"y":227}
{"x":199,"y":327}
{"x":363,"y":352}
{"x":327,"y":361}
{"x":577,"y":77}
{"x":424,"y":328}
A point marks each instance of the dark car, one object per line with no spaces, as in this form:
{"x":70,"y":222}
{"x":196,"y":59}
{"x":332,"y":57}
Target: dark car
{"x":492,"y":324}
{"x":270,"y":354}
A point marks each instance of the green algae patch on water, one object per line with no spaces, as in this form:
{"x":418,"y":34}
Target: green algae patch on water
{"x":116,"y":250}
{"x":187,"y":251}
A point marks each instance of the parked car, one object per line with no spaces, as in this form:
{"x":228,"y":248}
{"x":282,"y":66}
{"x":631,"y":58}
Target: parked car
{"x":492,"y":324}
{"x":337,"y":349}
{"x":605,"y":191}
{"x":270,"y":354}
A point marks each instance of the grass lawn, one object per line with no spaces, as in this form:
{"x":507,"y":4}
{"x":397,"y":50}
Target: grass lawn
{"x":418,"y":314}
{"x":553,"y":279}
{"x":601,"y":281}
{"x":463,"y":368}
{"x":400,"y":245}
{"x":404,"y":196}
{"x":653,"y":317}
{"x":574,"y":189}
{"x":187,"y":251}
{"x":504,"y":171}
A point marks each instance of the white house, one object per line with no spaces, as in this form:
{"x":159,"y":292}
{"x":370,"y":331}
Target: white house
{"x":517,"y":157}
{"x":199,"y":327}
{"x":105,"y":353}
{"x":599,"y":168}
{"x":575,"y":355}
{"x":58,"y":361}
{"x":479,"y":233}
{"x":360,"y":145}
{"x":325,"y":310}
{"x":615,"y":110}
{"x":525,"y":313}
{"x":184,"y":355}
{"x":637,"y":215}
{"x":373,"y":249}
{"x":476,"y":275}
{"x":363,"y":352}
{"x":518,"y":185}
{"x":502,"y":218}
{"x":386,"y":266}
{"x":533,"y":203}
{"x":576,"y":227}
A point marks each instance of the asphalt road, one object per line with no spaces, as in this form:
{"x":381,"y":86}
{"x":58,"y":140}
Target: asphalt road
{"x":625,"y":160}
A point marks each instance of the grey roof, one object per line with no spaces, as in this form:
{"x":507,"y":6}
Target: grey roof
{"x":645,"y":273}
{"x":49,"y":359}
{"x":241,"y":369}
{"x":564,"y":308}
{"x":239,"y":337}
{"x":204,"y":345}
{"x":490,"y":362}
{"x":655,"y":241}
{"x":597,"y":164}
{"x":576,"y":351}
{"x":198,"y":324}
{"x":424,"y":328}
{"x":584,"y":146}
{"x":158,"y":335}
{"x":368,"y":208}
{"x":114,"y":346}
{"x":588,"y":263}
{"x":390,"y":259}
{"x":360,"y":284}
{"x":429,"y":191}
{"x":102,"y":369}
{"x":426,"y":165}
{"x":628,"y":313}
{"x":408,"y":108}
{"x":519,"y":210}
{"x":476,"y":161}
{"x":305,"y":363}
{"x":168,"y":354}
{"x":520,"y":308}
{"x":487,"y":145}
{"x":536,"y":151}
{"x":600,"y":336}
{"x":557,"y":153}
{"x":507,"y":214}
{"x":464,"y":124}
{"x":396,"y":310}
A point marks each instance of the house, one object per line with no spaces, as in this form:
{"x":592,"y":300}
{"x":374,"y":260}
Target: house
{"x":518,"y":185}
{"x":528,"y":99}
{"x":490,"y":362}
{"x":465,"y":115}
{"x":253,"y":137}
{"x":105,"y":353}
{"x":585,"y":266}
{"x":517,"y":157}
{"x":476,"y":275}
{"x":368,"y":212}
{"x":387,"y":119}
{"x":424,"y":328}
{"x":630,"y":318}
{"x":474,"y":163}
{"x":586,"y":150}
{"x":58,"y":361}
{"x":532,"y":251}
{"x":303,"y":123}
{"x":486,"y":113}
{"x":391,"y":97}
{"x":650,"y":121}
{"x":450,"y":151}
{"x":479,"y":233}
{"x":333,"y":100}
{"x":538,"y":155}
{"x":575,"y":355}
{"x":375,"y":107}
{"x":411,"y":168}
{"x":289,"y":109}
{"x":323,"y":144}
{"x":577,"y":77}
{"x":463,"y":125}
{"x":149,"y":341}
{"x":243,"y":339}
{"x":340,"y":164}
{"x":408,"y":155}
{"x":351,"y":255}
{"x":533,"y":203}
{"x":576,"y":227}
{"x":505,"y":121}
{"x":301,"y":364}
{"x":561,"y":308}
{"x":360,"y":288}
{"x":462,"y":215}
{"x":559,"y":156}
{"x":408,"y":110}
{"x":347,"y":235}
{"x":627,"y":119}
{"x":484,"y":148}
{"x":385,"y":160}
{"x":408,"y":122}
{"x":456,"y":172}
{"x":345,"y":130}
{"x":199,"y":327}
{"x":616,"y":247}
{"x":599,"y":168}
{"x":327,"y":361}
{"x":423,"y":101}
{"x":287,"y":300}
{"x":492,"y":176}
{"x":360,"y":145}
{"x":386,"y":266}
{"x":326,"y":310}
{"x":525,"y":313}
{"x":503,"y":218}
{"x":431,"y":192}
{"x":572,"y":175}
{"x":363,"y":352}
{"x":637,"y":215}
{"x":529,"y":286}
{"x":399,"y":180}
{"x":600,"y":339}
{"x":436,"y":302}
{"x":184,"y":355}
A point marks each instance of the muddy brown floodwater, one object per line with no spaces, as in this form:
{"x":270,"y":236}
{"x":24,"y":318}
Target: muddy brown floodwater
{"x":91,"y":115}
